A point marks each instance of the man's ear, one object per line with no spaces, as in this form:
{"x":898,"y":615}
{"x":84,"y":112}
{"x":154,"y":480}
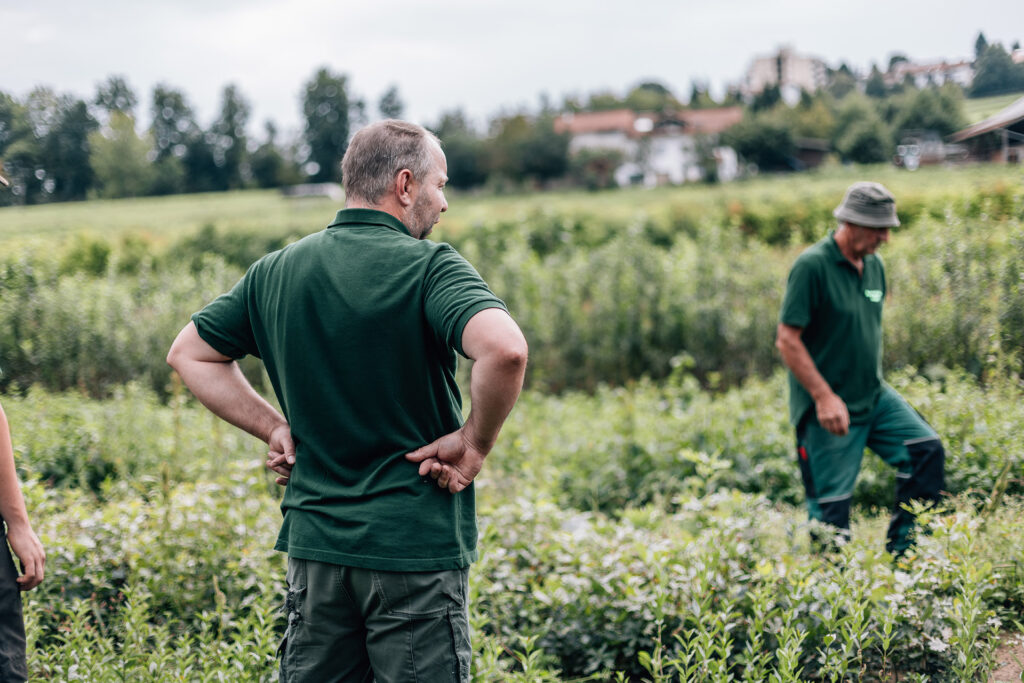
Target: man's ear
{"x":403,"y":187}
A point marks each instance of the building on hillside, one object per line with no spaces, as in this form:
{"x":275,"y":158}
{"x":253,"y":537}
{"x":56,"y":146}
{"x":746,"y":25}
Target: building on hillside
{"x":1000,"y":137}
{"x":1018,"y":55}
{"x":792,"y":73}
{"x":657,"y":148}
{"x":934,"y":73}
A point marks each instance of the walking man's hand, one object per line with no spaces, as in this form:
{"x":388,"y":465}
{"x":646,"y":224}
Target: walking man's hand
{"x":833,"y":414}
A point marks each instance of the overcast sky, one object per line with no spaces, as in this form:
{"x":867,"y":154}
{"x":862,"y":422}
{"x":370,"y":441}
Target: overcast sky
{"x":482,"y":56}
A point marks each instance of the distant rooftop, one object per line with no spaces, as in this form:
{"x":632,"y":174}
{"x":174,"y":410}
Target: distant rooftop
{"x":1009,"y":116}
{"x":638,"y":124}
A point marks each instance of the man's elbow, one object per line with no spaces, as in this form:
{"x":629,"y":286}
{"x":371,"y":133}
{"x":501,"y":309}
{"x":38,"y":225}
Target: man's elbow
{"x":174,"y":356}
{"x":514,"y":353}
{"x":787,"y":346}
{"x":781,"y":344}
{"x":511,"y":353}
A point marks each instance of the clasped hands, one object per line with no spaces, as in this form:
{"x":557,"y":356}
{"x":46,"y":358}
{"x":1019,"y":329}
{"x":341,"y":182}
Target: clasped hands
{"x":453,"y":461}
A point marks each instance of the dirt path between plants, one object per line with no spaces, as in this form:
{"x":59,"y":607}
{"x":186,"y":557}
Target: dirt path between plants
{"x":1009,"y":659}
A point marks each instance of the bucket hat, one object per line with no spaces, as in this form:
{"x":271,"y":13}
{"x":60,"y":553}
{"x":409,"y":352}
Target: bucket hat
{"x":869,"y":205}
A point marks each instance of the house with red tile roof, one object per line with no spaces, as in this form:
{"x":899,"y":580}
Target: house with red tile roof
{"x":656,"y":148}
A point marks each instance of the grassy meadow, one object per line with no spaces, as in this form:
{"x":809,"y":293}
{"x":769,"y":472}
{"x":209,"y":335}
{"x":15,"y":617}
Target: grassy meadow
{"x":980,"y":108}
{"x":165,"y":219}
{"x":641,"y":516}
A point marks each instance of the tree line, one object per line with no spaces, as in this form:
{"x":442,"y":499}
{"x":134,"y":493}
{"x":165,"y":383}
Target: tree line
{"x":58,"y":147}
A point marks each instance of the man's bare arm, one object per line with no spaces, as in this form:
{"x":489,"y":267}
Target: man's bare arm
{"x":23,"y":539}
{"x":218,"y":383}
{"x":830,"y":409}
{"x":493,"y":340}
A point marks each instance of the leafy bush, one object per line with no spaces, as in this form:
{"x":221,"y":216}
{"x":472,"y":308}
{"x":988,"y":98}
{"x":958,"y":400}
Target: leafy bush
{"x":721,"y":587}
{"x":238,"y":248}
{"x":621,"y":448}
{"x":174,"y":547}
{"x":95,"y":333}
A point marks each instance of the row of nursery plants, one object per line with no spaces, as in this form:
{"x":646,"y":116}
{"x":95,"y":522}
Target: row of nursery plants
{"x":186,"y":589}
{"x":604,"y":451}
{"x":598,"y":303}
{"x":648,"y":532}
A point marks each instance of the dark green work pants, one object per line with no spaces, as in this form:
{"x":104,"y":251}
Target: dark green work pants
{"x":350,"y":624}
{"x":829,"y":464}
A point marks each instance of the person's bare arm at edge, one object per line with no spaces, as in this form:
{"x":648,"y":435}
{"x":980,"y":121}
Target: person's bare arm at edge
{"x":831,"y":410}
{"x":219,"y":384}
{"x":23,"y":539}
{"x":497,"y":346}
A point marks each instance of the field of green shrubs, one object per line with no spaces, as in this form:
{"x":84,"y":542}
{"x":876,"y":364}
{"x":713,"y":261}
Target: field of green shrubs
{"x":641,"y":515}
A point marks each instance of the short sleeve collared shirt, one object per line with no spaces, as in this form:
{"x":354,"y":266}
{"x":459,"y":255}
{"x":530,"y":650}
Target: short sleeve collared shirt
{"x":359,"y":326}
{"x":840,"y":312}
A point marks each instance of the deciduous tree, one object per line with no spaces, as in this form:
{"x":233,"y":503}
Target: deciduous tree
{"x":325,"y":106}
{"x":466,"y":151}
{"x":173,"y":122}
{"x":652,"y":96}
{"x":62,"y":124}
{"x":766,"y":139}
{"x":390,"y":105}
{"x":119,"y":158}
{"x":229,"y":140}
{"x":19,"y":153}
{"x":934,"y":109}
{"x":995,"y":73}
{"x":875,"y":85}
{"x":115,"y":95}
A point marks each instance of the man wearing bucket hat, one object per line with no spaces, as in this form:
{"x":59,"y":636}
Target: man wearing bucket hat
{"x":830,"y":338}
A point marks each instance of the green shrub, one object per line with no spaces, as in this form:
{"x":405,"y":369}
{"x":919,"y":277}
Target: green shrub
{"x":620,"y":448}
{"x":95,"y":333}
{"x":614,"y":540}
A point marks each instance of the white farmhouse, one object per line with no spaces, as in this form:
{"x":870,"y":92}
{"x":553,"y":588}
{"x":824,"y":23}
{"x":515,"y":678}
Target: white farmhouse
{"x":657,"y":148}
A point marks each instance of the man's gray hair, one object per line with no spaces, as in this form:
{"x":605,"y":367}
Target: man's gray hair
{"x":379,"y":151}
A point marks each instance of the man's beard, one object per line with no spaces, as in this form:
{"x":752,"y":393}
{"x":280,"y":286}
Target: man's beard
{"x":421,"y":222}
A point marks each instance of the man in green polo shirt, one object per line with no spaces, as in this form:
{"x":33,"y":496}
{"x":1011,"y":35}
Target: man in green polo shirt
{"x":830,"y":338}
{"x":358,"y":327}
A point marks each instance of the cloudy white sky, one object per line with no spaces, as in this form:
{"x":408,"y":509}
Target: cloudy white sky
{"x":481,"y":56}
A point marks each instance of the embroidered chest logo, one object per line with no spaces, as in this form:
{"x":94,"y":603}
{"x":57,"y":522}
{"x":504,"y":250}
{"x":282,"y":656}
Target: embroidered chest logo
{"x":873,"y":295}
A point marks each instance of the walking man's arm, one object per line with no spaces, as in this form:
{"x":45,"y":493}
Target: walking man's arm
{"x":493,"y":340}
{"x":219,"y":384}
{"x":830,"y":409}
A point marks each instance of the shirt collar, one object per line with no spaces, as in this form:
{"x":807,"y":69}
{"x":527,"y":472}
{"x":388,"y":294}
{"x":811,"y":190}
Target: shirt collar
{"x":833,"y":248}
{"x":350,"y":217}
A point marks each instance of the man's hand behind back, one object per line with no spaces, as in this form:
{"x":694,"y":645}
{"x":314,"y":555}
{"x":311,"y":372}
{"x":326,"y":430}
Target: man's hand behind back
{"x":281,"y":457}
{"x":453,"y":461}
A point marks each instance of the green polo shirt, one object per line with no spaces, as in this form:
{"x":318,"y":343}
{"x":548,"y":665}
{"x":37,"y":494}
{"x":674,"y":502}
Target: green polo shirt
{"x":358,"y":327}
{"x":840,"y":311}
